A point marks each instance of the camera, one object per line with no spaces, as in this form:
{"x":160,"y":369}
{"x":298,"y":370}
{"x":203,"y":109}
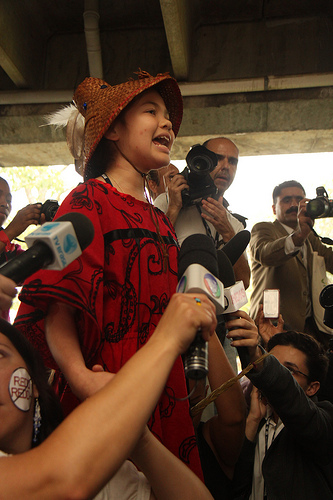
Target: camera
{"x":200,"y":162}
{"x":320,"y":206}
{"x":49,"y":209}
{"x":326,"y":301}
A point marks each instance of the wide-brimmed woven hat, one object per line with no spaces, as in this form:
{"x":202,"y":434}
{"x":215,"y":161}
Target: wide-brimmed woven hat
{"x":100,"y":103}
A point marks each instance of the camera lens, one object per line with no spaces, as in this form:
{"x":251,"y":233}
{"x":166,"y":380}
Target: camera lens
{"x":326,"y":296}
{"x":201,"y":164}
{"x":315,"y":208}
{"x":326,"y":301}
{"x":201,"y":160}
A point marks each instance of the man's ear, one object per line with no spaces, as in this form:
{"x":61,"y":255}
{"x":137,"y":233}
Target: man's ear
{"x":312,"y":389}
{"x":274,"y":211}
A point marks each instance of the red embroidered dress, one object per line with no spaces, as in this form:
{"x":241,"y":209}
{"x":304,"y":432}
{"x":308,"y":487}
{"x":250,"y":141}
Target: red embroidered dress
{"x":120,"y":292}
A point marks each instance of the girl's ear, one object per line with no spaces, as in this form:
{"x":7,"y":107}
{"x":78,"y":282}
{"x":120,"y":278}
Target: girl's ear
{"x":112,"y":133}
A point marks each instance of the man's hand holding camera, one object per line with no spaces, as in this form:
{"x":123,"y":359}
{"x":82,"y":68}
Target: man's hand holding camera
{"x":174,"y":192}
{"x":305,"y":224}
{"x":23,"y":219}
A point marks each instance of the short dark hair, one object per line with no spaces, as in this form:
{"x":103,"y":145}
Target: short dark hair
{"x":316,"y":357}
{"x":277,"y":190}
{"x":50,"y":407}
{"x":153,"y":176}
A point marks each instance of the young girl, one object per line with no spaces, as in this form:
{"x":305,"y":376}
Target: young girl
{"x":89,"y":319}
{"x":78,"y":457}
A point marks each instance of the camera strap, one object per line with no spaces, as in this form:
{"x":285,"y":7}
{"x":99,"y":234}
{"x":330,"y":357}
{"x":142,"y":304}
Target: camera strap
{"x":217,"y":241}
{"x":324,"y":239}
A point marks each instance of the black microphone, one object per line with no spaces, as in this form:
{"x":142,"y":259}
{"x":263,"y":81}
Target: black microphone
{"x":54,"y":245}
{"x":236,"y":246}
{"x":234,"y":297}
{"x":197,"y":271}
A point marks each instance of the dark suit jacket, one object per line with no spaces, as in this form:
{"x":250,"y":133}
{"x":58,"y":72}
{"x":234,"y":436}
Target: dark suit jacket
{"x":299,"y":463}
{"x":272,"y":268}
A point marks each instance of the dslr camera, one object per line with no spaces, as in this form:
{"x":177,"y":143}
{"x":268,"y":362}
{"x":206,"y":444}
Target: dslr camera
{"x":320,"y":207}
{"x":200,"y":162}
{"x":49,"y":209}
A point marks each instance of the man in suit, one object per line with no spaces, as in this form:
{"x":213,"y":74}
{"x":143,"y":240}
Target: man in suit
{"x":282,"y":255}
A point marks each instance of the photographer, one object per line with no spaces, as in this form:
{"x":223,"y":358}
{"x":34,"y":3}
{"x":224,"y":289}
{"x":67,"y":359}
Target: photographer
{"x":282,"y":255}
{"x":159,"y":180}
{"x":31,"y":214}
{"x":211,"y":215}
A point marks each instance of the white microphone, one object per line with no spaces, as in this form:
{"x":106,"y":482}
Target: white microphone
{"x":54,"y":245}
{"x":198,"y":279}
{"x":197,"y":271}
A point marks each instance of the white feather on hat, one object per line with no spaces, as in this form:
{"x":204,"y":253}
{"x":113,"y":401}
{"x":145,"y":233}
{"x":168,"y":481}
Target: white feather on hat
{"x":69,"y":116}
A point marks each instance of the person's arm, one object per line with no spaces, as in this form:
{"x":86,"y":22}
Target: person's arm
{"x":23,"y":219}
{"x":225,"y":431}
{"x":7,"y":292}
{"x":168,"y":476}
{"x":256,"y":413}
{"x":267,"y":247}
{"x":310,"y":423}
{"x":174,"y":195}
{"x":217,"y":215}
{"x":63,"y":341}
{"x":266,"y":328}
{"x":74,"y":461}
{"x":305,"y":223}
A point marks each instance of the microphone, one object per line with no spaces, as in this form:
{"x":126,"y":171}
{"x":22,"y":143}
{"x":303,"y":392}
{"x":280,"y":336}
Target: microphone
{"x":234,"y":296}
{"x":236,"y":246}
{"x":197,"y":271}
{"x":54,"y":245}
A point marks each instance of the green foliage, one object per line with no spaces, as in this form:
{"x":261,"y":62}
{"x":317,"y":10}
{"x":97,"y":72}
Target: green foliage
{"x":39,"y":183}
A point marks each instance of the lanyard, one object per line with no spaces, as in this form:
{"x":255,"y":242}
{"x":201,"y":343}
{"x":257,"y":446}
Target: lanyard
{"x":217,"y":241}
{"x":267,"y":446}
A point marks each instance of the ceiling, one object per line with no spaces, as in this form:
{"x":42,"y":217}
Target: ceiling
{"x":257,"y":71}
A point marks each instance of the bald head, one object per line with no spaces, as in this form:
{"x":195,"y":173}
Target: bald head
{"x":225,"y":171}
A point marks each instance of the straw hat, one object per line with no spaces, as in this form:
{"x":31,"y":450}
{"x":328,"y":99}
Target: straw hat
{"x":100,"y":103}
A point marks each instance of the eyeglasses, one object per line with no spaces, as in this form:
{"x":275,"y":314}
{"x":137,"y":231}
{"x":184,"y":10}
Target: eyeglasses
{"x":296,"y":372}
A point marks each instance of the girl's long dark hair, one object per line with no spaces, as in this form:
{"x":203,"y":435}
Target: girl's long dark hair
{"x":51,"y":411}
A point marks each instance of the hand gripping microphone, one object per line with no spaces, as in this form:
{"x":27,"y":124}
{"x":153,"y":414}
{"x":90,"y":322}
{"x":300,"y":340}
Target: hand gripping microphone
{"x":54,"y":245}
{"x":197,"y":271}
{"x":234,"y":296}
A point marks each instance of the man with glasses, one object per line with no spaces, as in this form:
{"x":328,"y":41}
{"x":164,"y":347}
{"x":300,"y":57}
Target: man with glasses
{"x":288,"y":448}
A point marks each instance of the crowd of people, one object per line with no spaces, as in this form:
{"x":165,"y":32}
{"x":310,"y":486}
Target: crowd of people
{"x":94,"y":402}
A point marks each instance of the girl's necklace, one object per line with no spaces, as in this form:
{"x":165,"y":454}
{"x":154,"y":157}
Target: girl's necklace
{"x":116,"y":184}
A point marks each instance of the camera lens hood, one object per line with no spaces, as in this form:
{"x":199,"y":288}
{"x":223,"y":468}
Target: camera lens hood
{"x":326,"y":301}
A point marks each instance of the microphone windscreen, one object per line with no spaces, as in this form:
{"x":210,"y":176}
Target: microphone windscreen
{"x":197,"y":249}
{"x":236,"y":246}
{"x":83,"y":227}
{"x":226,"y":273}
